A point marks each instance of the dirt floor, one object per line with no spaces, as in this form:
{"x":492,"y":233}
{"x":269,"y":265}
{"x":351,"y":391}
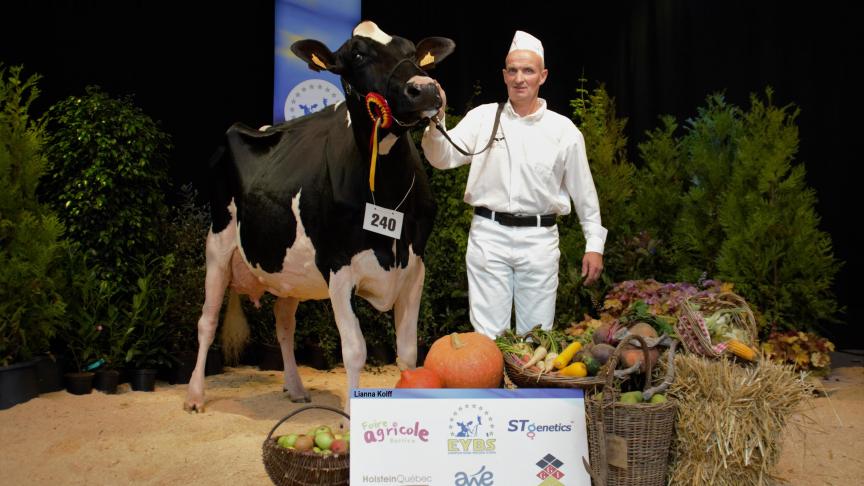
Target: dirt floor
{"x":147,"y":438}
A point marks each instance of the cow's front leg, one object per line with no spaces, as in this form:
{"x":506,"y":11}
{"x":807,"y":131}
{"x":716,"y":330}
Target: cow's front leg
{"x":405,"y":312}
{"x":353,"y":344}
{"x":285,"y":310}
{"x":219,"y":250}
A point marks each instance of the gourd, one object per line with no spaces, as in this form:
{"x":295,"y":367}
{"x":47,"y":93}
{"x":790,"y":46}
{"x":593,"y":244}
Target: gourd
{"x":566,"y":356}
{"x":419,"y":378}
{"x":466,"y":360}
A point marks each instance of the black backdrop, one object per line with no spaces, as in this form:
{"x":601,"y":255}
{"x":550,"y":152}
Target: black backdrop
{"x":199,"y":66}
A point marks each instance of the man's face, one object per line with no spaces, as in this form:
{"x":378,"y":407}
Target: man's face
{"x":523,"y":75}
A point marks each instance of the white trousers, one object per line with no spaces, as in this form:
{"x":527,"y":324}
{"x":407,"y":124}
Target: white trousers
{"x":507,"y":267}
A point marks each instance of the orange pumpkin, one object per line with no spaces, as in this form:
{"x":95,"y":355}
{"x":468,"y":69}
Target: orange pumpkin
{"x":466,"y":360}
{"x":419,"y":378}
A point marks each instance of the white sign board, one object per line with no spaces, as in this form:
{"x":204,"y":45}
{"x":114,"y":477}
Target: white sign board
{"x":468,"y":437}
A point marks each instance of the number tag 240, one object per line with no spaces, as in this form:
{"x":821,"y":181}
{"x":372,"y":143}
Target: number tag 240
{"x":383,"y":221}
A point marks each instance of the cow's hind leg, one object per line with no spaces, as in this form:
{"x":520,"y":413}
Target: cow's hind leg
{"x":219,"y":250}
{"x":405,"y":312}
{"x":353,"y":344}
{"x":285,"y":311}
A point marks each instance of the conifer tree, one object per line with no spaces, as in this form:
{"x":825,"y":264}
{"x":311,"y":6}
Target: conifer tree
{"x":30,"y":305}
{"x":709,"y":150}
{"x":772,"y":246}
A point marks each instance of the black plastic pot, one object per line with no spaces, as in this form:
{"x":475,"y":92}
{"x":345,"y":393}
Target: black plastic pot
{"x":106,"y":381}
{"x":183,"y":367}
{"x":18,"y":383}
{"x":49,"y":374}
{"x":143,"y":379}
{"x":80,"y":383}
{"x":270,"y":357}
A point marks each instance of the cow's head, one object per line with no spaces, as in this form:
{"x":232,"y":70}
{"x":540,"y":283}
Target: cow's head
{"x":373,"y":62}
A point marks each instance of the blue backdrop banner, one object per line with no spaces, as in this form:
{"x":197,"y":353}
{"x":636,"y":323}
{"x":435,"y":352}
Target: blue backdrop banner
{"x":298,"y":90}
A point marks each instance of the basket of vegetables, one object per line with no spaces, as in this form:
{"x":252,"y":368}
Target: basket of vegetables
{"x":318,"y":457}
{"x":549,"y":359}
{"x":630,"y":434}
{"x":711,"y":325}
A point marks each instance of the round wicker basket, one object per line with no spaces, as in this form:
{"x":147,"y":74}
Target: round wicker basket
{"x":694,"y":333}
{"x":526,"y":378}
{"x":646,"y":429}
{"x":287,"y":467}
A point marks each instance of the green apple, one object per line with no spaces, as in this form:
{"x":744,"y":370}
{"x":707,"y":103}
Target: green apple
{"x":658,"y":398}
{"x":322,"y":428}
{"x":287,"y":441}
{"x":323,"y":439}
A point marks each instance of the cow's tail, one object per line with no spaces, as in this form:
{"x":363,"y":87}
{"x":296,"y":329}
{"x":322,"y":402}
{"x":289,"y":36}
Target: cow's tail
{"x":235,"y":329}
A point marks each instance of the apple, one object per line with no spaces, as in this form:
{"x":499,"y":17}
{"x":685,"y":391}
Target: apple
{"x":287,"y":441}
{"x":339,"y":446}
{"x":323,"y":439}
{"x":304,"y":442}
{"x":337,"y":436}
{"x":322,"y":428}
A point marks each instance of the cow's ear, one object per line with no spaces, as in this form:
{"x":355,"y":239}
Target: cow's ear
{"x":316,"y":55}
{"x":432,"y":50}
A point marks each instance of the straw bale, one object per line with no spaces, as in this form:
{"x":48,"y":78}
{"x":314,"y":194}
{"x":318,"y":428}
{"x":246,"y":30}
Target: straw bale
{"x":730,"y":419}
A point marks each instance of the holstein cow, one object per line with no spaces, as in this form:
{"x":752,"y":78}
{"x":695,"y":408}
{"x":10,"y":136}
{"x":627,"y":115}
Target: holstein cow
{"x":289,"y":204}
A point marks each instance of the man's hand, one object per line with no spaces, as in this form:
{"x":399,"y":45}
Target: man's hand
{"x":592,"y":267}
{"x":443,"y":96}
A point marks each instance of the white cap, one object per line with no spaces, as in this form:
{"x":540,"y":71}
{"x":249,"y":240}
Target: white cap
{"x":526,"y":41}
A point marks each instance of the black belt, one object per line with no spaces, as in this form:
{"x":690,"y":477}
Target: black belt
{"x":508,"y":219}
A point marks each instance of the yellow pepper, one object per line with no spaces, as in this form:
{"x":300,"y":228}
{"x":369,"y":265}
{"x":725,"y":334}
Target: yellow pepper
{"x":576,"y":370}
{"x":564,"y":358}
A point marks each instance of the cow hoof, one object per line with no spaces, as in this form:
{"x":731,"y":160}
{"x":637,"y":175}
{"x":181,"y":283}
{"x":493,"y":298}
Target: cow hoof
{"x":193,"y":407}
{"x":304,"y":398}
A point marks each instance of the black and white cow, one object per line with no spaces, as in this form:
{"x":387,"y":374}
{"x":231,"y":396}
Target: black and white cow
{"x":288,"y":205}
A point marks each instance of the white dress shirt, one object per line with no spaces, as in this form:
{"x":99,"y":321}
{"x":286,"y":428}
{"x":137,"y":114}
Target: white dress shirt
{"x":536,"y":165}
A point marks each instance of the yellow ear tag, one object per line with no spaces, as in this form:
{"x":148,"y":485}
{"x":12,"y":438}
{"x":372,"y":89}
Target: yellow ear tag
{"x":318,"y":62}
{"x":427,"y":59}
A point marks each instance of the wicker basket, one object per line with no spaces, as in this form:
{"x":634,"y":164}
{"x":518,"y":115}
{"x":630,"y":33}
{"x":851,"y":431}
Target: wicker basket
{"x":694,"y":333}
{"x":287,"y":467}
{"x":628,"y":444}
{"x":527,"y":378}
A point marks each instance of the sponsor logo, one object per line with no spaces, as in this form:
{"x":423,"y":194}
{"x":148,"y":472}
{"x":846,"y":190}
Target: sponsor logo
{"x":550,"y":470}
{"x":400,"y":479}
{"x":471,"y":431}
{"x":531,"y":428}
{"x":480,"y":478}
{"x":394,"y":432}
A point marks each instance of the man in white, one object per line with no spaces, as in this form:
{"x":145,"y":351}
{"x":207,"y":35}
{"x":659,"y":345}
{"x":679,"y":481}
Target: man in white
{"x":535,"y":166}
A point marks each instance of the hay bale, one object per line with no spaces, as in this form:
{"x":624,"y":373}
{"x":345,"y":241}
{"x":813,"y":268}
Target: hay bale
{"x":730,"y":419}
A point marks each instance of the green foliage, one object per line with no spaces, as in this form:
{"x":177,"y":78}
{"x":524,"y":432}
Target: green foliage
{"x":185,"y":234}
{"x":30,"y":306}
{"x":726,"y":199}
{"x":773,"y":247}
{"x":605,"y":144}
{"x":147,"y":333}
{"x":106,"y":178}
{"x":93,"y":314}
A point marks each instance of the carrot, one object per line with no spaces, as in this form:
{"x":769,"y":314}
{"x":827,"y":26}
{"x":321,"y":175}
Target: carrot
{"x":539,"y":353}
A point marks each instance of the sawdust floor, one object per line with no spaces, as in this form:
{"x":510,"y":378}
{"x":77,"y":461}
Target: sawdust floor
{"x":147,"y":438}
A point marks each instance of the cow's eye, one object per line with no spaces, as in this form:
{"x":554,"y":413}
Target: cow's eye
{"x":358,"y":57}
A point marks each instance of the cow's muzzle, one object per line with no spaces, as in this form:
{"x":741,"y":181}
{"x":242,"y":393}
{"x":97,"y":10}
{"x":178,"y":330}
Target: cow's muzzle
{"x":422,"y":92}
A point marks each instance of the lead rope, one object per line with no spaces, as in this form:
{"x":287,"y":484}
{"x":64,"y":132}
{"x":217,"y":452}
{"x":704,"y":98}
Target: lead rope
{"x":491,"y":137}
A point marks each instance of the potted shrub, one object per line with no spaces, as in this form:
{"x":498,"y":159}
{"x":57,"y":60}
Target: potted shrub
{"x":185,"y":233}
{"x":30,"y":306}
{"x":147,"y":333}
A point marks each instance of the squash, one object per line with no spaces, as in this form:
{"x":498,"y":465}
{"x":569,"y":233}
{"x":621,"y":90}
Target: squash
{"x":419,"y":378}
{"x":466,"y":360}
